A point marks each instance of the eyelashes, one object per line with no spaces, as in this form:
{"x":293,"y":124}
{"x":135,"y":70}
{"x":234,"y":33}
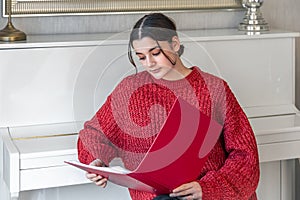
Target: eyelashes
{"x":154,"y":53}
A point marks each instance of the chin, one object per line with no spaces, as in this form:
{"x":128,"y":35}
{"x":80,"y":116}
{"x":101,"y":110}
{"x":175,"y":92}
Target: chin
{"x":157,"y":76}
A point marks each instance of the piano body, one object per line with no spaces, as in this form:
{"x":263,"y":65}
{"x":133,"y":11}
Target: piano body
{"x":50,"y":85}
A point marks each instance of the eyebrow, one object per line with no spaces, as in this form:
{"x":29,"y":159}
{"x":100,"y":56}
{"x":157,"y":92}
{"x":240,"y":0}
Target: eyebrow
{"x":138,"y":53}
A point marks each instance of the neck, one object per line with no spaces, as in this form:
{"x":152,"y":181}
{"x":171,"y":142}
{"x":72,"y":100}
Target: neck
{"x":179,"y":72}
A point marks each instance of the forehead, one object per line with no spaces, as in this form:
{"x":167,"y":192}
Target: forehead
{"x":147,"y":43}
{"x":144,"y":44}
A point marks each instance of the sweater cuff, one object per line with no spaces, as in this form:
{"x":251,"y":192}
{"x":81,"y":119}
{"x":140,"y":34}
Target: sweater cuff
{"x":84,"y":156}
{"x":105,"y":153}
{"x":88,"y":153}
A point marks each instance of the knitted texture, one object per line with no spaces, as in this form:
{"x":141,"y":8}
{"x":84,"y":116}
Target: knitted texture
{"x":127,"y":123}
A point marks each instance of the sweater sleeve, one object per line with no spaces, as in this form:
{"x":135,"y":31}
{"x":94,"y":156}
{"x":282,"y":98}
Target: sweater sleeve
{"x":238,"y":177}
{"x":94,"y":143}
{"x":84,"y":156}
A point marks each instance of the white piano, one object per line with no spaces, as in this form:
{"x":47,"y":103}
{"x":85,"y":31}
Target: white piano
{"x":49,"y":85}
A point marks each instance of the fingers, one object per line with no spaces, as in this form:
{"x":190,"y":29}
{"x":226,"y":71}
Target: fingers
{"x":97,"y":163}
{"x":101,"y":182}
{"x":189,"y":191}
{"x":184,"y":194}
{"x":97,"y":179}
{"x":92,"y":177}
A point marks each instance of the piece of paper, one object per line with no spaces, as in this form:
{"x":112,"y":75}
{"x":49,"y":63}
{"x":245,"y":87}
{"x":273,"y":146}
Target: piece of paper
{"x":177,"y":155}
{"x":115,"y":174}
{"x":113,"y":169}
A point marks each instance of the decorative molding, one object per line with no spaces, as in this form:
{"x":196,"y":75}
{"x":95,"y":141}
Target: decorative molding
{"x":84,"y":7}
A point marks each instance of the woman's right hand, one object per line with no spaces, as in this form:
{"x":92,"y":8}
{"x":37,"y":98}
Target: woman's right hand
{"x":97,"y":179}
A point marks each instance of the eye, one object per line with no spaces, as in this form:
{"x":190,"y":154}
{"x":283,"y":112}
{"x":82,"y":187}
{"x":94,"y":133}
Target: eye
{"x":142,"y":57}
{"x":156,"y":52}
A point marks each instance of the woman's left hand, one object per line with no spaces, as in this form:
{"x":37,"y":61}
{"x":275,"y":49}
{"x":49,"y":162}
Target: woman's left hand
{"x":188,"y":191}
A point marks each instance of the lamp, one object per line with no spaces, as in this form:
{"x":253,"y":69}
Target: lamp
{"x":10,"y":33}
{"x":253,"y":20}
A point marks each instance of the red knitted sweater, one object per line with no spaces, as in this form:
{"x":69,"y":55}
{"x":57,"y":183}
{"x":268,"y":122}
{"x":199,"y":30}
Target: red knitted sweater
{"x":127,"y":123}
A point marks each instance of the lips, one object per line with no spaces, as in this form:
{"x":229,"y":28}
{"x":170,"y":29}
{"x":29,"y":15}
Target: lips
{"x":154,"y":71}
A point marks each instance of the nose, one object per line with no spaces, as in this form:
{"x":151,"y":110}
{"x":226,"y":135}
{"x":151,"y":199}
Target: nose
{"x":150,"y":61}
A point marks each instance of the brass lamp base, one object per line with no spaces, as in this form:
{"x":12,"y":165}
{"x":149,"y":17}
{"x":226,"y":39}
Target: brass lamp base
{"x":10,"y":34}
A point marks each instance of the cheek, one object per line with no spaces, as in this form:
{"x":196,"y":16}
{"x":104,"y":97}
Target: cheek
{"x":161,"y":60}
{"x":142,"y":62}
{"x":170,"y":56}
{"x":168,"y":59}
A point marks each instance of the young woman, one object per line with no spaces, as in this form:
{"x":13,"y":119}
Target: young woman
{"x":127,"y":123}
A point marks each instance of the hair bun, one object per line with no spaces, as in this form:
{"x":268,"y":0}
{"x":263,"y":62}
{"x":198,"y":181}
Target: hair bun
{"x":181,"y":50}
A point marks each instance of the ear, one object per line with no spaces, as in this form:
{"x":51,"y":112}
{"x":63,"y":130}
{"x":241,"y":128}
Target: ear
{"x":175,"y":43}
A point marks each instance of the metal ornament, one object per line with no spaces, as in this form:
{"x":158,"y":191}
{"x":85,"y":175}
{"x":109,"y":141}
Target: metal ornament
{"x":10,"y":33}
{"x":253,"y":20}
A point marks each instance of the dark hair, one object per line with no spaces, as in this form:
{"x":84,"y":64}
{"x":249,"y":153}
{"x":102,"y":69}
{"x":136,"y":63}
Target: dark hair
{"x":157,"y":26}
